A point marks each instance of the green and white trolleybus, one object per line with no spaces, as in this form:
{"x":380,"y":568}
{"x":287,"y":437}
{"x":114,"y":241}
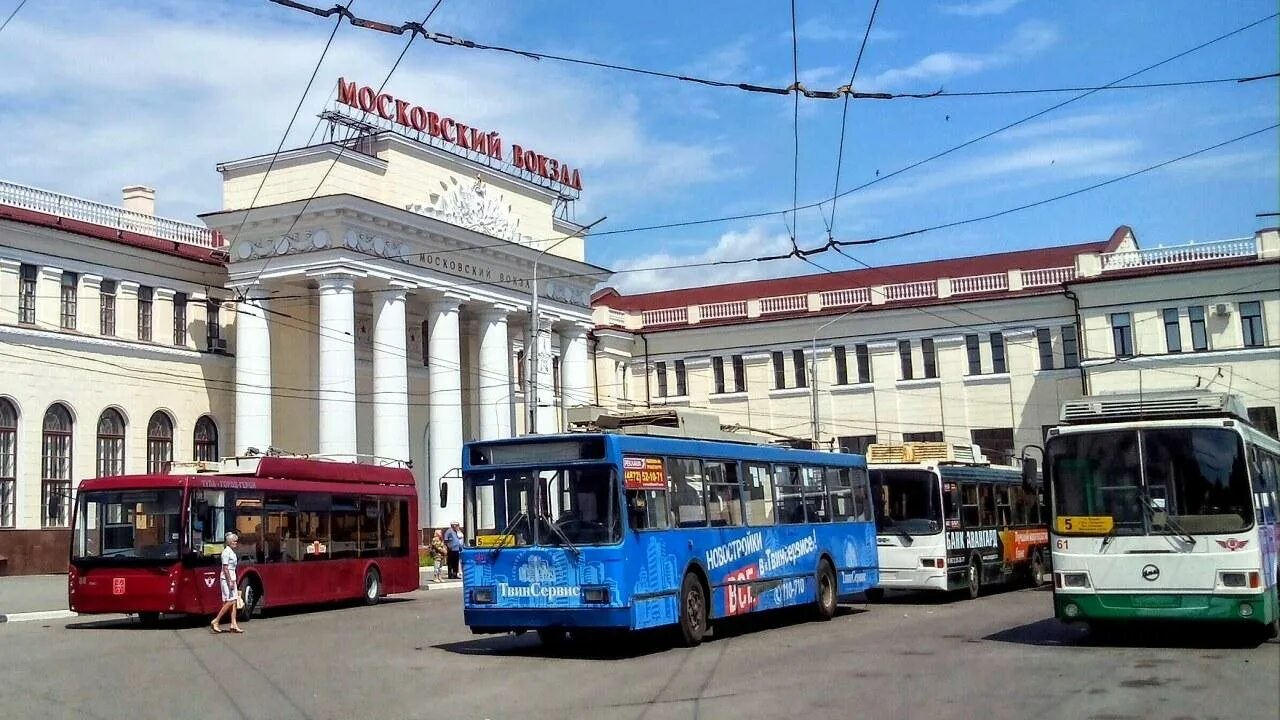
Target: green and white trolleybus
{"x":1163,"y":508}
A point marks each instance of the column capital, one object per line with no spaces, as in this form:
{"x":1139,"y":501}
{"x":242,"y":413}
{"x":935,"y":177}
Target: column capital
{"x":572,"y":329}
{"x":10,"y":265}
{"x":495,"y":311}
{"x":91,"y":280}
{"x":446,"y":301}
{"x":127,"y":287}
{"x":50,"y":273}
{"x":162,"y":293}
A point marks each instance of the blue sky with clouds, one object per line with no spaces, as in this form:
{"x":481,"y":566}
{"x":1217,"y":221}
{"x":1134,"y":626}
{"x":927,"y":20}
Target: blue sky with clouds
{"x":97,"y":96}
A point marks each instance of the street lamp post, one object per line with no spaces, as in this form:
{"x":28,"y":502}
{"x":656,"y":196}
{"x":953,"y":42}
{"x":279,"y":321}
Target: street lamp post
{"x":532,"y":353}
{"x":813,"y":370}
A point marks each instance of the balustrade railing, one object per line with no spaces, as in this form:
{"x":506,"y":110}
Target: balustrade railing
{"x":722,"y":310}
{"x":665,"y":316}
{"x":784,"y":303}
{"x":1047,"y":276}
{"x":1181,"y":254}
{"x":979,"y":283}
{"x":911,"y":290}
{"x":852,"y":296}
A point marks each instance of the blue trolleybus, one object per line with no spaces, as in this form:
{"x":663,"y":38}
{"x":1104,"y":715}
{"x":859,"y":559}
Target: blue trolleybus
{"x":632,"y":530}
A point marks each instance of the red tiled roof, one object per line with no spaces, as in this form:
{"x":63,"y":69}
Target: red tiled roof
{"x":208,"y":256}
{"x":1061,"y":256}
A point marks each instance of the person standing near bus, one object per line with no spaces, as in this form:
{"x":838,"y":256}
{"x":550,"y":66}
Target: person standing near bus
{"x":439,"y":554}
{"x":453,"y":541}
{"x":227,"y":584}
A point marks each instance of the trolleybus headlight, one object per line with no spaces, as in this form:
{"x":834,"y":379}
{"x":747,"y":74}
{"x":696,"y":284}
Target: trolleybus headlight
{"x":482,"y":596}
{"x":595,"y":594}
{"x":1232,"y":579}
{"x":1074,"y":580}
{"x":1070,"y":610}
{"x":1246,"y":610}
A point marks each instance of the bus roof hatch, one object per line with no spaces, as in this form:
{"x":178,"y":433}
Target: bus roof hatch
{"x":1114,"y":407}
{"x":665,"y":422}
{"x":923,"y":452}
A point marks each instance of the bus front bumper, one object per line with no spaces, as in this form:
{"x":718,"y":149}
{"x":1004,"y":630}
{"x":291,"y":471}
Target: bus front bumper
{"x":1257,"y":607}
{"x":912,"y":579}
{"x":501,"y":620}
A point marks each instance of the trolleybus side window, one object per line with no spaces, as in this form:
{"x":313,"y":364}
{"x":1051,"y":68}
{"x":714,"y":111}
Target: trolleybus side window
{"x":969,"y":505}
{"x":1004,"y":513}
{"x":759,"y":495}
{"x":246,"y":520}
{"x":988,"y":504}
{"x":790,"y":498}
{"x":840,"y":486}
{"x":686,"y":480}
{"x":724,"y":502}
{"x":950,"y":505}
{"x":815,"y":495}
{"x":861,"y":495}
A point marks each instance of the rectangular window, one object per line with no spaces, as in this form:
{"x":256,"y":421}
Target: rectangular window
{"x":997,"y":353}
{"x":1004,"y":507}
{"x":814,"y":494}
{"x":682,"y":379}
{"x":1251,"y":323}
{"x":107,"y":309}
{"x":850,"y":494}
{"x":1122,"y":335}
{"x":974,"y":354}
{"x":739,"y":374}
{"x":1044,"y":338}
{"x":842,"y":365}
{"x":969,"y":515}
{"x":797,"y":359}
{"x":996,"y":444}
{"x":180,"y":319}
{"x":856,"y":444}
{"x":213,"y":323}
{"x":27,"y":294}
{"x":1070,"y":350}
{"x":759,"y":495}
{"x":930,"y":358}
{"x":1199,"y":334}
{"x":717,"y":374}
{"x":779,"y":371}
{"x":904,"y":358}
{"x":863,"y":356}
{"x":145,"y":295}
{"x":724,"y":503}
{"x":686,"y":492}
{"x":927,"y":436}
{"x":70,"y":294}
{"x":1172,"y":333}
{"x":988,"y":500}
{"x":1264,"y":418}
{"x":789,"y":503}
{"x":660,"y":370}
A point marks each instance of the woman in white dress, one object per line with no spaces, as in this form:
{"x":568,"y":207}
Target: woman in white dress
{"x":227,"y":584}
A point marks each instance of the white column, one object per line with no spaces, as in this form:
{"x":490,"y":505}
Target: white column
{"x":545,"y":391}
{"x":253,"y":372}
{"x":575,"y":368}
{"x":495,"y":373}
{"x":337,"y":383}
{"x":444,"y":410}
{"x":390,"y":375}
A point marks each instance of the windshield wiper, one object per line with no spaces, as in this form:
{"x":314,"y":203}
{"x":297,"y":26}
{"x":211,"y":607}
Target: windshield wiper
{"x":506,"y":533}
{"x":563,"y":538}
{"x":1169,"y":522}
{"x":901,"y":531}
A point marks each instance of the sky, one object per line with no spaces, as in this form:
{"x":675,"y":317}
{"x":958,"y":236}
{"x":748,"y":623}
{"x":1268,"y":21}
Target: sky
{"x":97,"y":96}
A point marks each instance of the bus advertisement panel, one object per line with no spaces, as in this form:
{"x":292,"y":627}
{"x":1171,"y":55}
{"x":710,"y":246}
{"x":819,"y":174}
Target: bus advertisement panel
{"x":632,"y":532}
{"x":1164,"y":508}
{"x":311,"y":531}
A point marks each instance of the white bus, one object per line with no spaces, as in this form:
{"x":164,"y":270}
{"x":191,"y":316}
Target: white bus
{"x":1163,"y":508}
{"x":948,"y":520}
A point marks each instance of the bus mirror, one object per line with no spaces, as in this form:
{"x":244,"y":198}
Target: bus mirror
{"x":1029,"y":468}
{"x":444,"y":493}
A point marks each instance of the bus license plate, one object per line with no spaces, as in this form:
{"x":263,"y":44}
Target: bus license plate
{"x":117,"y":586}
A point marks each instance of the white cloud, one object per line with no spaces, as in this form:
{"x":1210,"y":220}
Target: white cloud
{"x":111,"y":97}
{"x":822,"y":29}
{"x":679,"y":271}
{"x":1028,"y":39}
{"x":979,"y":8}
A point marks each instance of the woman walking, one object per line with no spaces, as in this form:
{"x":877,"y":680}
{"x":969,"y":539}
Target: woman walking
{"x":227,"y":584}
{"x":439,"y":553}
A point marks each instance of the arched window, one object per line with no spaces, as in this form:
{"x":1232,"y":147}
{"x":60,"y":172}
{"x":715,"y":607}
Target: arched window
{"x":55,"y":451}
{"x":206,"y":440}
{"x":110,"y":443}
{"x":159,"y":443}
{"x":8,"y":462}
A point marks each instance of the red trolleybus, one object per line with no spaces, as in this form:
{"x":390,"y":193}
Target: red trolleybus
{"x":311,"y":531}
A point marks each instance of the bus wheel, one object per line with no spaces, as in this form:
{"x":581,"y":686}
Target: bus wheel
{"x":973,"y":579}
{"x":149,"y":619}
{"x":825,"y":608}
{"x":693,"y":610}
{"x":252,"y":595}
{"x":372,"y":586}
{"x":1037,"y":568}
{"x":553,"y":637}
{"x":874,"y":595}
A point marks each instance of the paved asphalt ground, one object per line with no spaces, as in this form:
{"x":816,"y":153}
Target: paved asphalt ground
{"x":909,"y":657}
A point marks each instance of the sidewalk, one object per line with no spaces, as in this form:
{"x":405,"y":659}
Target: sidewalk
{"x":43,"y":597}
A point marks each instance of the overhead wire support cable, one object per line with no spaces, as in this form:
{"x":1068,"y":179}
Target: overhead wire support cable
{"x":794,"y":227}
{"x":7,"y":20}
{"x":844,"y":118}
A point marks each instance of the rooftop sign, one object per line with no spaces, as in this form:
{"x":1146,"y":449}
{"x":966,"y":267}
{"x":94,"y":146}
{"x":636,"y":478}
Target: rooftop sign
{"x":449,"y":130}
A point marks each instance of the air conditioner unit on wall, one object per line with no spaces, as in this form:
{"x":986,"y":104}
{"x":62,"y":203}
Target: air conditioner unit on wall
{"x":1223,"y":309}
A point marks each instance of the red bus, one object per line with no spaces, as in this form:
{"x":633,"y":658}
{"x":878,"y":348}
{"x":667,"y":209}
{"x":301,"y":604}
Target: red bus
{"x":311,"y":531}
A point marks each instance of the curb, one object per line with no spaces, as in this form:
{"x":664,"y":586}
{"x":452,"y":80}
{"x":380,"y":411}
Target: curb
{"x":451,"y":585}
{"x":38,"y":615}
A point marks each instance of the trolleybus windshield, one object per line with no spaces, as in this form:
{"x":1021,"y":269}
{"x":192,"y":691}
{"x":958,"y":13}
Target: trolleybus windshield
{"x":1154,"y":480}
{"x":907,"y":501}
{"x":128,"y":524}
{"x":552,"y":506}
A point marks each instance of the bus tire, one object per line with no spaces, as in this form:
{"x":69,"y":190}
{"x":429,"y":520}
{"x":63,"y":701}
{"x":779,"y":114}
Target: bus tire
{"x":251,"y":591}
{"x":1037,"y":568}
{"x":372,"y":586}
{"x":149,"y":619}
{"x":826,"y":591}
{"x":693,"y":610}
{"x":874,"y":595}
{"x":553,"y":637}
{"x":1271,"y":630}
{"x":973,"y":579}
